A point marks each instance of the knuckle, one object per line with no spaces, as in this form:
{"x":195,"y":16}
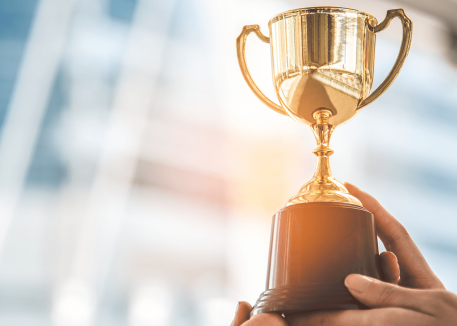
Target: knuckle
{"x":323,"y":321}
{"x":381,"y":318}
{"x":399,"y":235}
{"x":386,"y":294}
{"x":440,"y":300}
{"x":447,"y":297}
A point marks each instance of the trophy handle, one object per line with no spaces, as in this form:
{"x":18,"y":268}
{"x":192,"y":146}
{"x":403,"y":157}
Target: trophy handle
{"x":241,"y":53}
{"x":404,"y":50}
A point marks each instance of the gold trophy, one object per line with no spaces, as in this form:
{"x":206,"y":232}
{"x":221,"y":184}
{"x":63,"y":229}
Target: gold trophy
{"x":323,"y":67}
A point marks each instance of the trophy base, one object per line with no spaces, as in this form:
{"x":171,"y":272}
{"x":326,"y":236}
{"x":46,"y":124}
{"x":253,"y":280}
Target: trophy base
{"x":313,"y":247}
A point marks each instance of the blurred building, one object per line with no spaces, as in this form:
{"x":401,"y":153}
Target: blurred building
{"x":139,"y":174}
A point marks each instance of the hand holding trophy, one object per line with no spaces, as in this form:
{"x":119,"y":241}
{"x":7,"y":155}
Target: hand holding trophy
{"x":323,"y":66}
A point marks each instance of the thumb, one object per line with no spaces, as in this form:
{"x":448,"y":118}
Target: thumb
{"x":375,"y":293}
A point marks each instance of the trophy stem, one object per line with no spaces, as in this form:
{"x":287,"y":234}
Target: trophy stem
{"x":323,"y":171}
{"x":322,"y":130}
{"x":323,"y":187}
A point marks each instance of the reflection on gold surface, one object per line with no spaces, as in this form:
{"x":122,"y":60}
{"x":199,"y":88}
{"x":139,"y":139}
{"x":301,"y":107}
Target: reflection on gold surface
{"x":322,"y":58}
{"x":323,"y":61}
{"x":323,"y":187}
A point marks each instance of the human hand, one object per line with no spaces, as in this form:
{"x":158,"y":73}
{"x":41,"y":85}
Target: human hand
{"x":423,"y":302}
{"x":411,"y":269}
{"x":242,"y":317}
{"x":392,"y":305}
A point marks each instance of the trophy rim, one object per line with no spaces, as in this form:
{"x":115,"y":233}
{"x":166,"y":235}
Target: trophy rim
{"x":325,"y":204}
{"x":281,"y":15}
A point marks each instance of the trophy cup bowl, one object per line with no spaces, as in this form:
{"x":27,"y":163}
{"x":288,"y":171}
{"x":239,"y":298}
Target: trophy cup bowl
{"x":323,"y":68}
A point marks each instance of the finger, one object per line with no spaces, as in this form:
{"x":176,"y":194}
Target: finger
{"x":266,"y":320}
{"x":243,"y":309}
{"x":414,"y":270}
{"x":374,"y":317}
{"x":390,"y":267}
{"x":390,"y":230}
{"x":378,"y":294}
{"x":334,"y":318}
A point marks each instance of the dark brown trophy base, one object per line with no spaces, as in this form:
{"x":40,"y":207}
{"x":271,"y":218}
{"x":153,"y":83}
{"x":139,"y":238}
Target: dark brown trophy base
{"x":313,"y":247}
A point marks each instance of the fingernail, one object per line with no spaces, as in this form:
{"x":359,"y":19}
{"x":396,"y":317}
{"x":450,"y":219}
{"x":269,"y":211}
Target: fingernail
{"x":351,"y":185}
{"x":358,"y":283}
